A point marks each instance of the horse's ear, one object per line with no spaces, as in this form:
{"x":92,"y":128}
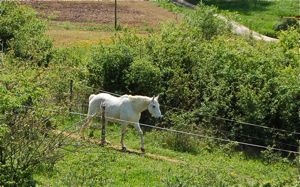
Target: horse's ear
{"x":153,"y":98}
{"x":156,"y":98}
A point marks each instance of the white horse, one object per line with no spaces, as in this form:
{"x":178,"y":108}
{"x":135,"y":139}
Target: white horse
{"x":125,"y":109}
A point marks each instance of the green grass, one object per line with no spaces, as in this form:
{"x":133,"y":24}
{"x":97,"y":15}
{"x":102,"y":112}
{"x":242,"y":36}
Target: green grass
{"x":259,"y":15}
{"x":90,"y":165}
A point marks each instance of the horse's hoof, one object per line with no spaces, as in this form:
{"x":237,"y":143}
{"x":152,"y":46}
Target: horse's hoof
{"x":103,"y":142}
{"x":143,"y":150}
{"x":124,"y":149}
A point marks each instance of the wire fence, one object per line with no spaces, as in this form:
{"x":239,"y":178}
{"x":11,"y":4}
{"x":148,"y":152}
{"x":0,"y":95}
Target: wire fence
{"x":221,"y":118}
{"x":179,"y":132}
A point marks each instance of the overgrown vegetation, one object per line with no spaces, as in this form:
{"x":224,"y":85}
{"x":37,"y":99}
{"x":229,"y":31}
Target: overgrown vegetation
{"x":214,"y":74}
{"x":200,"y":73}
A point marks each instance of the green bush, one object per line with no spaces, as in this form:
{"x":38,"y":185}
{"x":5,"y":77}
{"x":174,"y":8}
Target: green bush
{"x":286,"y":23}
{"x":204,"y":19}
{"x":108,"y":67}
{"x":25,"y":145}
{"x":143,"y":77}
{"x":22,"y":33}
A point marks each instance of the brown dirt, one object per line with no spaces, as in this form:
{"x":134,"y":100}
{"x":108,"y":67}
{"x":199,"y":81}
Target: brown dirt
{"x":132,"y":13}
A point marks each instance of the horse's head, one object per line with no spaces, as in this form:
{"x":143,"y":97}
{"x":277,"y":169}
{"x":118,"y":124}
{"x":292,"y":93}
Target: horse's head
{"x":153,"y":107}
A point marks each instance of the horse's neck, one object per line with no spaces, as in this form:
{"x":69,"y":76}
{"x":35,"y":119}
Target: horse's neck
{"x":140,"y":103}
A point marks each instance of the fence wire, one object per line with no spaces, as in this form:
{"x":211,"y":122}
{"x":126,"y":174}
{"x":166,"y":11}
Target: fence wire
{"x":182,"y":132}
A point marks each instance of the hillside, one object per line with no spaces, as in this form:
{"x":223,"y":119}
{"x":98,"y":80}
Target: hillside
{"x":230,"y":104}
{"x":88,"y":164}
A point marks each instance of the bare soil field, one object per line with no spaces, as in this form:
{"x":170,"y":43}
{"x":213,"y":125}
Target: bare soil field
{"x":132,"y":13}
{"x":80,"y":22}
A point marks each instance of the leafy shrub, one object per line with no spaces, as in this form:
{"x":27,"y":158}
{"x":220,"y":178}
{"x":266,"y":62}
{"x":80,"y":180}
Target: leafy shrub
{"x":286,"y":23}
{"x":108,"y":67}
{"x":67,"y":65}
{"x":180,"y":142}
{"x":22,"y":33}
{"x":24,"y":146}
{"x":205,"y":21}
{"x":143,"y":77}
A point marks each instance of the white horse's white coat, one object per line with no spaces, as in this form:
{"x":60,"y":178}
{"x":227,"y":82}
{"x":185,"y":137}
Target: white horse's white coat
{"x":123,"y":110}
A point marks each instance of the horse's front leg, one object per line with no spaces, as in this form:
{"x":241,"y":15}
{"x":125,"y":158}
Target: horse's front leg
{"x":124,"y":125}
{"x":140,"y":132}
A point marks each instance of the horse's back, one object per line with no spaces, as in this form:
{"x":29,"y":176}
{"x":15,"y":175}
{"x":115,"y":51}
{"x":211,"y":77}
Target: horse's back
{"x":112,"y":104}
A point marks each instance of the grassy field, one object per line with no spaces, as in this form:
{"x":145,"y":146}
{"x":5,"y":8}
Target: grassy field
{"x":258,"y":15}
{"x":86,"y":164}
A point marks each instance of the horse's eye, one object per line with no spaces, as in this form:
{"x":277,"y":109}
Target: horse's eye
{"x":153,"y":106}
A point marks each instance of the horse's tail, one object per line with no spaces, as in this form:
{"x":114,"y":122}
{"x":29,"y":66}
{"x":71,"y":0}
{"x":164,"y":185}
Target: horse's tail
{"x":91,"y":97}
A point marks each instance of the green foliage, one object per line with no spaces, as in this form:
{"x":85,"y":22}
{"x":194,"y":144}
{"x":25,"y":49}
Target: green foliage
{"x":67,"y":65}
{"x":196,"y":65}
{"x":24,"y":146}
{"x":213,"y":73}
{"x":258,"y":15}
{"x":170,"y":6}
{"x":143,"y":77}
{"x":22,"y":33}
{"x":289,"y":40}
{"x":108,"y":67}
{"x":287,"y":23}
{"x":204,"y":19}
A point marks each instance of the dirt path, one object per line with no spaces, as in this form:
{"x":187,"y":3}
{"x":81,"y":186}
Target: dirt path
{"x":117,"y":148}
{"x":236,"y":27}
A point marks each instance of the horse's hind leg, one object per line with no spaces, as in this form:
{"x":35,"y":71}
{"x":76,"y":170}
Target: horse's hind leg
{"x":139,"y":130}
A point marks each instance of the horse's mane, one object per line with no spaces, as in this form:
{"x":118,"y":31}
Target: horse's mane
{"x":137,"y":98}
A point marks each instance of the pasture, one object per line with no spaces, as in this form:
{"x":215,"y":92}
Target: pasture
{"x":89,"y":164}
{"x":230,"y":104}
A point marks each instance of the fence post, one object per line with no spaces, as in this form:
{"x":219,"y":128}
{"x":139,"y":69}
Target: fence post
{"x":116,"y":25}
{"x":103,"y":122}
{"x":71,"y":95}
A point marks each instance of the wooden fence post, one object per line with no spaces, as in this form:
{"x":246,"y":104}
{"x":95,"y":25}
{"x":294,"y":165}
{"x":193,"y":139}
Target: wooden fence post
{"x":103,"y":122}
{"x":116,"y":24}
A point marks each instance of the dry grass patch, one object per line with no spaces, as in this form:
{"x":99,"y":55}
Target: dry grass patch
{"x":65,"y":38}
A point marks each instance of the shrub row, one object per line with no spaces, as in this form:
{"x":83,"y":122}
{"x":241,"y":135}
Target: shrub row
{"x":197,"y":65}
